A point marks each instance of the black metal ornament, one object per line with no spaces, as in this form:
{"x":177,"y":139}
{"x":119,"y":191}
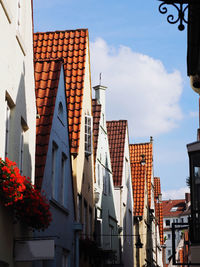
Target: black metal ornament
{"x":181,"y":6}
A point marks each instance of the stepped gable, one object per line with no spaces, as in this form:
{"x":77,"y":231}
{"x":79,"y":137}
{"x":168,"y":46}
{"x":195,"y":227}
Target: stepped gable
{"x":71,"y":46}
{"x":138,"y":184}
{"x":116,"y":136}
{"x":96,"y":110}
{"x":47,"y":74}
{"x":158,"y":207}
{"x":145,"y":149}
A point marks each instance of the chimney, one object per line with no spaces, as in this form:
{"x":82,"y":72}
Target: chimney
{"x":100,"y":95}
{"x":187,"y":198}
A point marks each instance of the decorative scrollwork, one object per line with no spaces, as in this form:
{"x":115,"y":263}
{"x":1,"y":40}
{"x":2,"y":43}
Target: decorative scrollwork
{"x":181,"y":10}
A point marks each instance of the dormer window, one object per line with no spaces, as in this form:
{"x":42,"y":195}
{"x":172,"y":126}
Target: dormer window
{"x":173,"y":209}
{"x":88,"y":134}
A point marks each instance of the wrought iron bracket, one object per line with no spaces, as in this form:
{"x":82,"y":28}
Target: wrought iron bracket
{"x":181,"y":7}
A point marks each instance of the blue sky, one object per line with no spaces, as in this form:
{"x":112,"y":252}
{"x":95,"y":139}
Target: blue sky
{"x":143,"y":62}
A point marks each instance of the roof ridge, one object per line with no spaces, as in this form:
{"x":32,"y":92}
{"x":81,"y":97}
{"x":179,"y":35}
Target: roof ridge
{"x":117,"y":120}
{"x":49,"y":59}
{"x":140,"y":144}
{"x":56,"y":31}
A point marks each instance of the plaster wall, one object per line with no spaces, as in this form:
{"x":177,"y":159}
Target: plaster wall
{"x":106,"y":209}
{"x":82,"y":165}
{"x":61,"y":227}
{"x":17,"y":86}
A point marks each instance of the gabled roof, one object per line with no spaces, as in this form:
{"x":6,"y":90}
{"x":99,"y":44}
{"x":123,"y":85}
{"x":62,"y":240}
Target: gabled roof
{"x":116,"y":137}
{"x":158,"y":207}
{"x":96,"y":110}
{"x":173,"y":208}
{"x":47,"y":74}
{"x":138,"y":184}
{"x":146,"y":149}
{"x":71,"y":46}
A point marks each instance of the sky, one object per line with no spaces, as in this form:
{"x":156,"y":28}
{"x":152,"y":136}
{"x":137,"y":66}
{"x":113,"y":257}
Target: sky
{"x":142,"y":59}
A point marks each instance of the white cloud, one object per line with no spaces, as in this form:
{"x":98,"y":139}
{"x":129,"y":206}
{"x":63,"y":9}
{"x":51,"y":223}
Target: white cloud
{"x":139,"y":89}
{"x":193,"y":114}
{"x":175,"y":194}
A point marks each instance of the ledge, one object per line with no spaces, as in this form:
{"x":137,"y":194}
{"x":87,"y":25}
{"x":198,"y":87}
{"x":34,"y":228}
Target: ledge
{"x":56,"y":204}
{"x":21,"y":42}
{"x":6,"y":10}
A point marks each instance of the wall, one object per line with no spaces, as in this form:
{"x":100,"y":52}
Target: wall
{"x":61,"y":228}
{"x":17,"y":83}
{"x":106,"y":209}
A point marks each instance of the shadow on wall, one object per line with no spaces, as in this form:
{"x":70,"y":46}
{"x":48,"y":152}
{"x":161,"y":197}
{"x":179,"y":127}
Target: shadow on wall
{"x":19,"y":130}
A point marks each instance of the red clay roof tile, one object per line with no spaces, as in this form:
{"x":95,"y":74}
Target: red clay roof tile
{"x":158,"y":207}
{"x":71,"y":47}
{"x":96,"y":110}
{"x":138,"y":184}
{"x":116,"y":136}
{"x":169,"y":204}
{"x":146,"y":149}
{"x":47,"y":74}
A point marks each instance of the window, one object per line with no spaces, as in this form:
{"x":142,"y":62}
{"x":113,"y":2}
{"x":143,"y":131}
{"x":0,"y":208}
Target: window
{"x":79,"y":207}
{"x":65,"y":259}
{"x":98,"y":170}
{"x":64,"y":180}
{"x":7,"y":130}
{"x":21,"y":151}
{"x":111,"y":230}
{"x":85,"y":220}
{"x":60,"y":112}
{"x":54,"y":171}
{"x":167,"y":222}
{"x":168,"y":236}
{"x":169,"y":252}
{"x":105,"y":187}
{"x":173,"y":209}
{"x":88,"y":135}
{"x":109,"y":185}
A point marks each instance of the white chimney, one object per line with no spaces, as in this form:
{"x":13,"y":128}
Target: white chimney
{"x":100,"y":91}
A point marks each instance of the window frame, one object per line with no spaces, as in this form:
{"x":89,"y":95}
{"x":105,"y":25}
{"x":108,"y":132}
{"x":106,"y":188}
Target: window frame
{"x":64,"y":180}
{"x":88,"y":135}
{"x":7,"y":130}
{"x":54,"y":175}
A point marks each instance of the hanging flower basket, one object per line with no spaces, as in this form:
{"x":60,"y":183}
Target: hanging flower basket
{"x":16,"y":191}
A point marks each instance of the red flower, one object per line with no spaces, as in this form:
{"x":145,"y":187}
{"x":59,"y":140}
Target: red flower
{"x":30,"y":206}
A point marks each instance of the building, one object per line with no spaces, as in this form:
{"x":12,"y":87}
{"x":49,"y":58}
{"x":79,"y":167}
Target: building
{"x":120,"y":162}
{"x":160,"y":248}
{"x":18,"y":111}
{"x":147,"y":249}
{"x":107,"y":231}
{"x":174,"y":211}
{"x":140,"y":208}
{"x":53,"y":162}
{"x":72,"y":46}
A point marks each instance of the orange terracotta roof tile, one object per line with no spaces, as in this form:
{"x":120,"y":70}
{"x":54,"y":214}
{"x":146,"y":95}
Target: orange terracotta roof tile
{"x":158,"y":208}
{"x":116,"y":137}
{"x":71,"y":46}
{"x":96,"y":110}
{"x":146,"y":149}
{"x":47,"y":74}
{"x":169,"y":204}
{"x":138,"y":184}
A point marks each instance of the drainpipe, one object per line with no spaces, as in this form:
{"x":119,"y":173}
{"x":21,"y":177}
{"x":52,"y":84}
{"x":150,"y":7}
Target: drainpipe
{"x":78,"y":227}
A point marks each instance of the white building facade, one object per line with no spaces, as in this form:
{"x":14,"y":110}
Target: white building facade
{"x":18,"y":111}
{"x":106,"y":219}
